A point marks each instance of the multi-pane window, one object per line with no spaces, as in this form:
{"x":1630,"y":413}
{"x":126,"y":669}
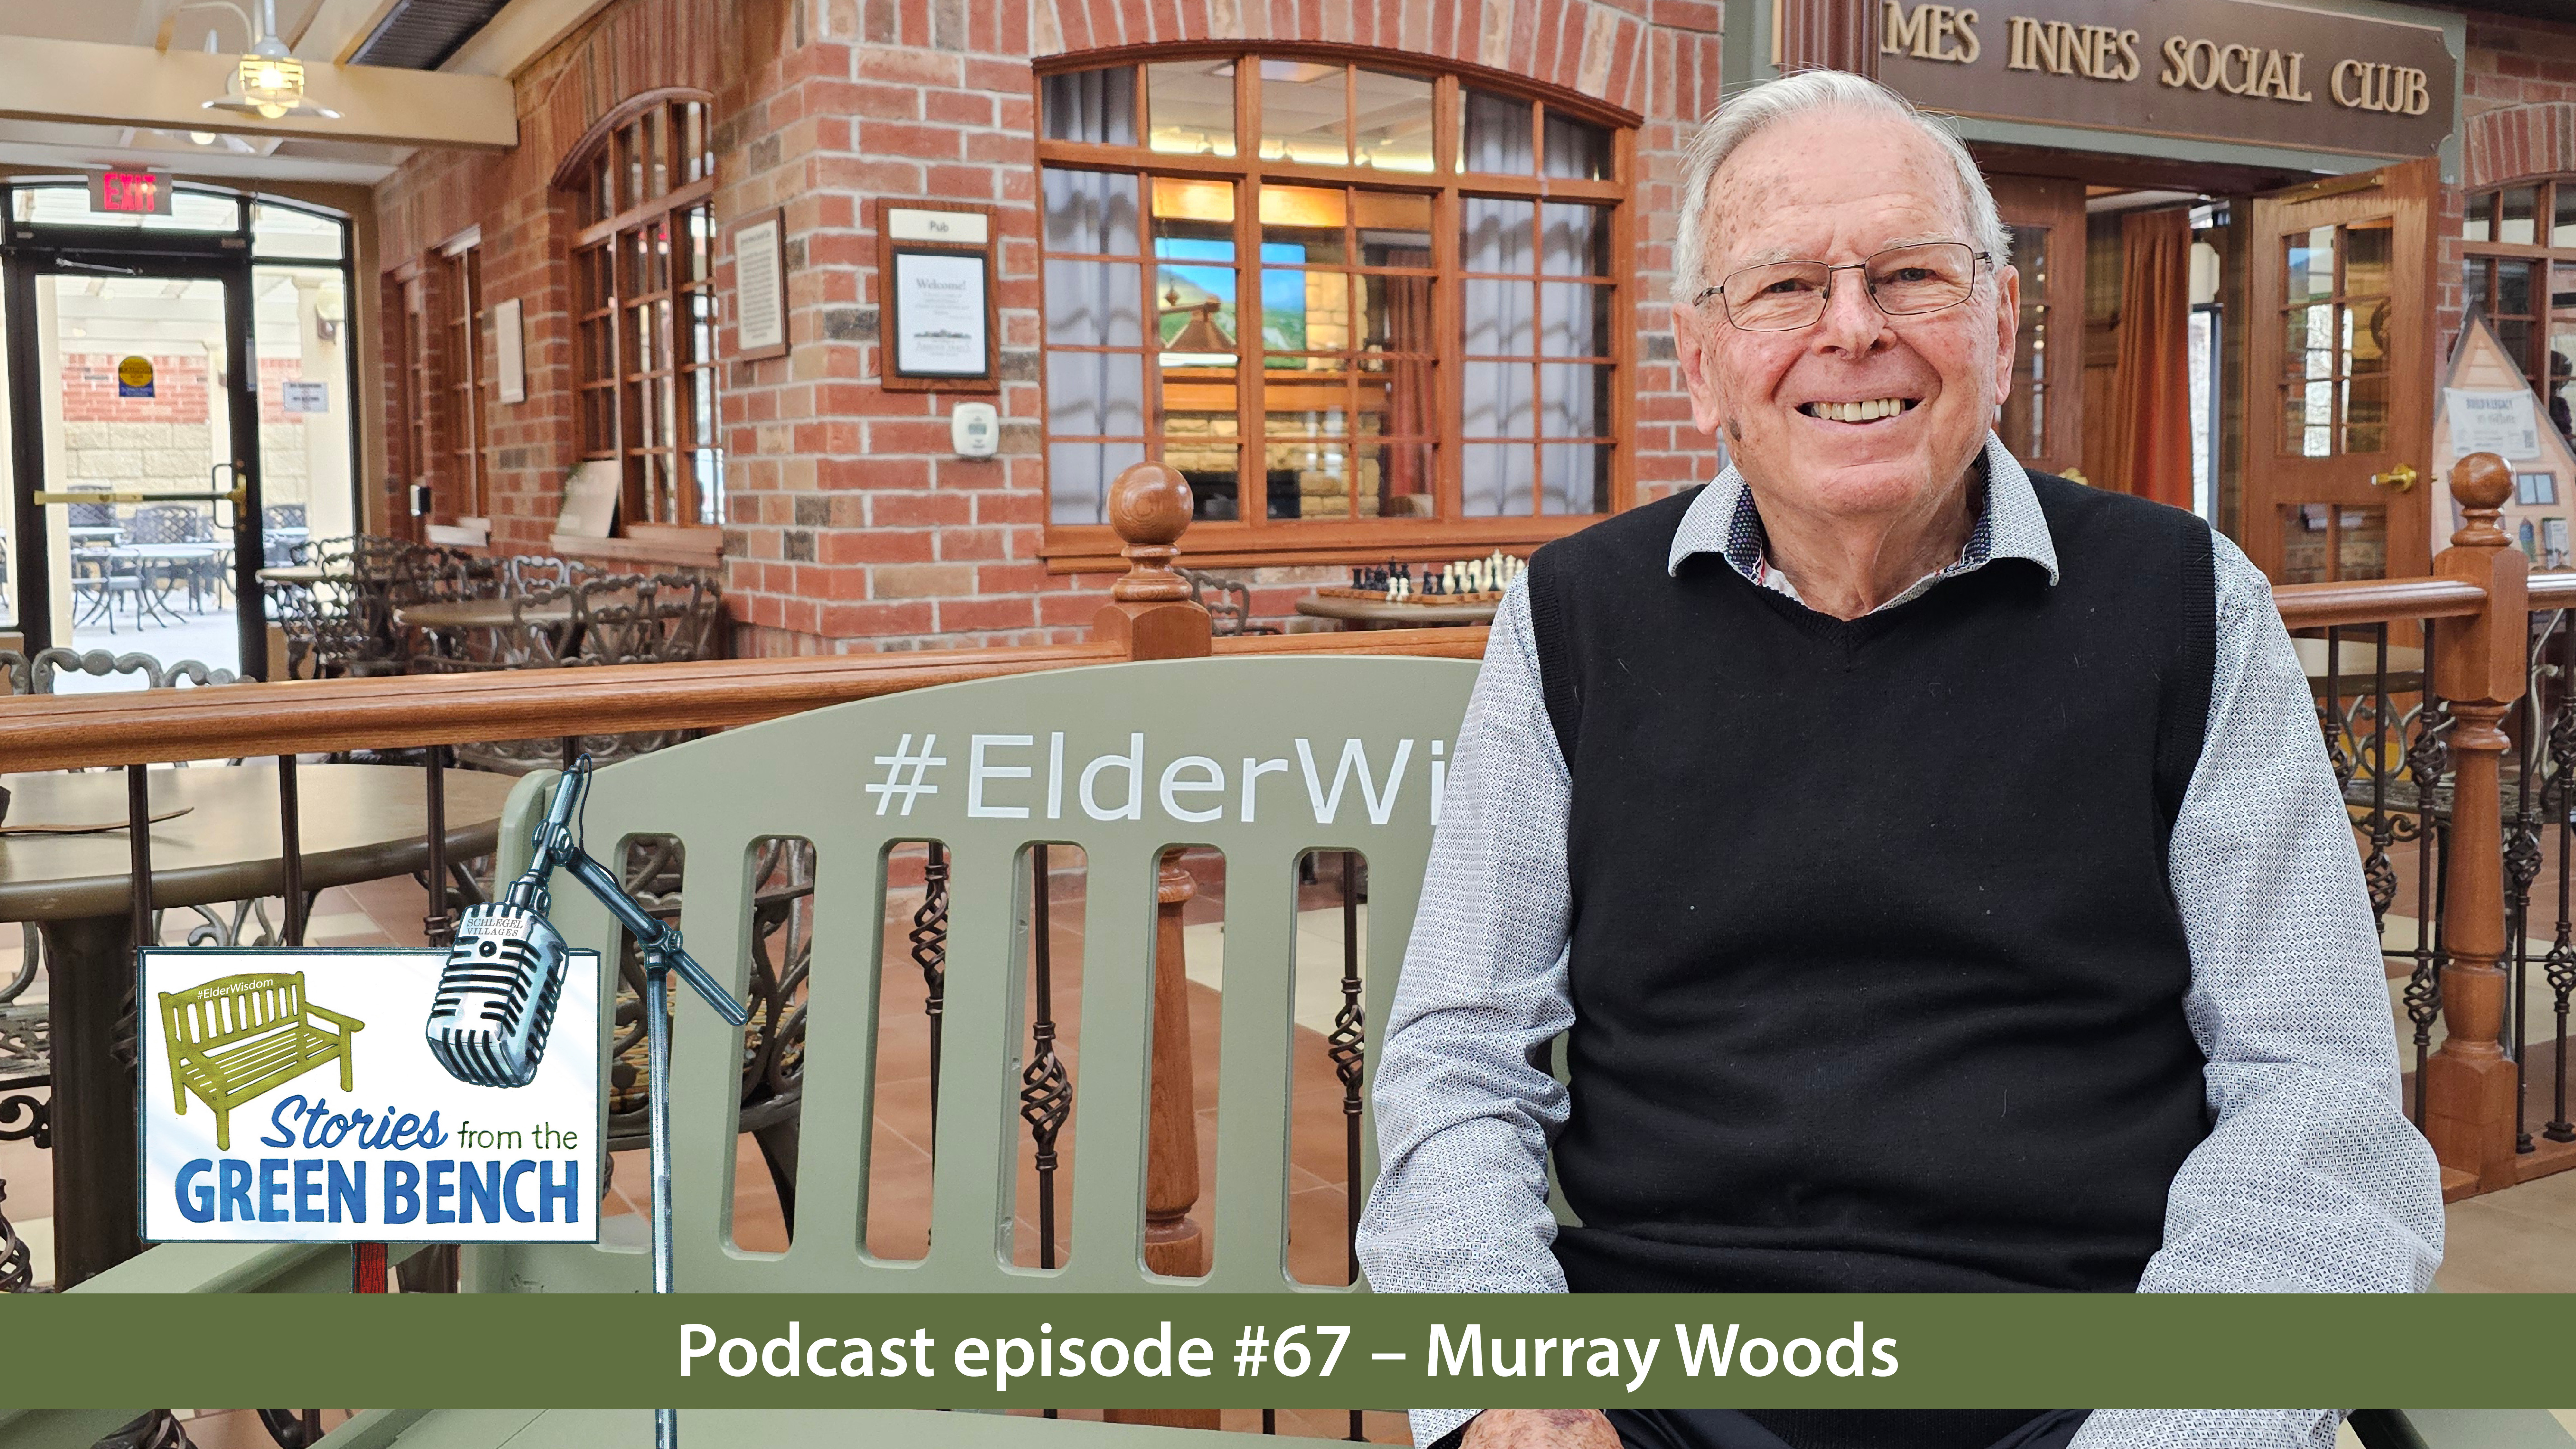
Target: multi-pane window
{"x":1331,"y":295}
{"x":644,"y":312}
{"x":2335,"y":320}
{"x":2520,"y":274}
{"x":463,"y":492}
{"x":417,"y":345}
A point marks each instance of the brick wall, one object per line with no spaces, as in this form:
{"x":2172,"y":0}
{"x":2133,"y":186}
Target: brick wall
{"x":165,"y":441}
{"x":2517,"y":120}
{"x":849,"y":525}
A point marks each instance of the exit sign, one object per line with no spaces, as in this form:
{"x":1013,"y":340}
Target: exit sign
{"x":130,"y":193}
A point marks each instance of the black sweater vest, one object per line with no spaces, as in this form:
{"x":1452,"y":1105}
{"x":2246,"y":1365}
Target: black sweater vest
{"x":1876,"y":970}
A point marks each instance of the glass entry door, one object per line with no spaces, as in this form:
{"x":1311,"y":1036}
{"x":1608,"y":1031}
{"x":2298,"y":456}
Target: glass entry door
{"x":135,"y":411}
{"x":2338,"y":417}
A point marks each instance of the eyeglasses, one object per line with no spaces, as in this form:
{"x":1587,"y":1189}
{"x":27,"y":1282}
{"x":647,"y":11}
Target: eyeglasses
{"x":1902,"y":281}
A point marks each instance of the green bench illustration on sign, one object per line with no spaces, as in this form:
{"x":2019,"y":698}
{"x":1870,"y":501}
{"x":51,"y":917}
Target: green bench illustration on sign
{"x":234,"y":1038}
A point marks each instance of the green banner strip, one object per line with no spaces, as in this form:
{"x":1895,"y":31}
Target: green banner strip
{"x":1285,"y":1351}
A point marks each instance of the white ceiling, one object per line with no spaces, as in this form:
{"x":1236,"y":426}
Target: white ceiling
{"x":320,"y":31}
{"x":138,"y":22}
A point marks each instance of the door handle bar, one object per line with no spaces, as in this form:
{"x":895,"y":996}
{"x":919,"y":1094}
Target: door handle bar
{"x":236,"y":497}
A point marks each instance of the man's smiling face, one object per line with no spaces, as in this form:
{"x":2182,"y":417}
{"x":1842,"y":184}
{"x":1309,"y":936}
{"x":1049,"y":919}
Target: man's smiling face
{"x":1860,"y":413}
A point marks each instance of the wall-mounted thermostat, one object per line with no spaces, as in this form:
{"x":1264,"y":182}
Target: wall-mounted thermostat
{"x":975,"y":429}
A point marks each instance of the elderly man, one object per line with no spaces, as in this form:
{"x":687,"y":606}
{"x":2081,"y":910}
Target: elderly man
{"x":1934,"y":868}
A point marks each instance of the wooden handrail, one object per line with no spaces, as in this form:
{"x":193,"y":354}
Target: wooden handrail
{"x":2552,"y":591}
{"x":307,"y":716}
{"x":2376,"y":601}
{"x":401,"y":711}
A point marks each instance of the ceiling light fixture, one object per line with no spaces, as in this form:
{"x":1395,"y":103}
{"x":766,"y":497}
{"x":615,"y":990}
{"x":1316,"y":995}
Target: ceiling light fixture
{"x":269,"y":82}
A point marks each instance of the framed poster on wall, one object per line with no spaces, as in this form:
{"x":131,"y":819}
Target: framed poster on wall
{"x":938,"y":321}
{"x":760,"y":286}
{"x":510,"y":351}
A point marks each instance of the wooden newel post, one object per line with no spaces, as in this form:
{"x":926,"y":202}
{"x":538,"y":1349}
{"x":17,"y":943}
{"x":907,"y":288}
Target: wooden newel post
{"x":1150,"y":610}
{"x":1153,"y":616}
{"x":2478,"y":666}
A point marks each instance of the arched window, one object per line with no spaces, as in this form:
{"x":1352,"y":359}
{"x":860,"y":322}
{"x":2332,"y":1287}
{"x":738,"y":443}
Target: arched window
{"x":1364,"y":308}
{"x":644,"y":306}
{"x":2520,"y":274}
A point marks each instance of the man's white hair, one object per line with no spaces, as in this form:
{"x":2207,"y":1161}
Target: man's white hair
{"x":1751,"y":112}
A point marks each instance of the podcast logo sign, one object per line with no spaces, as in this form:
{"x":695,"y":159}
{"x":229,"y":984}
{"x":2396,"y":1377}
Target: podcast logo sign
{"x":290,"y":1096}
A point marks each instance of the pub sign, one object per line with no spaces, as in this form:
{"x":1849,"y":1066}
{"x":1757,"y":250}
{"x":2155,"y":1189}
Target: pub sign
{"x":2223,"y":70}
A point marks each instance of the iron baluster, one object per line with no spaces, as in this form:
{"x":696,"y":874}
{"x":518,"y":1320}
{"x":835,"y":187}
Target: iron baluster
{"x":2330,"y":712}
{"x":2521,"y":868}
{"x":930,"y":953}
{"x":2427,"y":758}
{"x":1343,"y":1046}
{"x":2560,"y":964}
{"x":1046,"y":1096}
{"x":2377,"y":874}
{"x":138,"y":830}
{"x":290,"y":844}
{"x":436,"y":925}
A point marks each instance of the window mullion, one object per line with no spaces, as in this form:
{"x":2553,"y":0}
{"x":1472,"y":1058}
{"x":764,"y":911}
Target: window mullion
{"x":1251,"y":370}
{"x":1448,"y":292}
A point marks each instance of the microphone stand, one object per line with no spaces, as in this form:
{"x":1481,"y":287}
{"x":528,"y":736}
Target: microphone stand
{"x":557,"y":846}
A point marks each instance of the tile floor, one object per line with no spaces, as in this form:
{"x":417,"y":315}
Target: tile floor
{"x":2520,"y":1240}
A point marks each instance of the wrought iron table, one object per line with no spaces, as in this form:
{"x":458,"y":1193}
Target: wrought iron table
{"x":481,"y":614}
{"x":358,"y":822}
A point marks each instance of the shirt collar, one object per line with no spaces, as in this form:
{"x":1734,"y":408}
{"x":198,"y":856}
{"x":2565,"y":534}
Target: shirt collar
{"x":1724,"y":521}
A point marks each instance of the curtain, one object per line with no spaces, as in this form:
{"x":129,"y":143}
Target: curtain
{"x":2151,"y":418}
{"x":1499,"y":323}
{"x":1092,"y":304}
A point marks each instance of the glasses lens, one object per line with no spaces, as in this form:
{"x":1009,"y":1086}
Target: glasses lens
{"x":1922,"y":279}
{"x":1776,"y":297}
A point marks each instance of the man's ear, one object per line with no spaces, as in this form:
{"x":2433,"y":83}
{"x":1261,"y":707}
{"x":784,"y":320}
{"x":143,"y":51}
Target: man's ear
{"x":1709,"y":404}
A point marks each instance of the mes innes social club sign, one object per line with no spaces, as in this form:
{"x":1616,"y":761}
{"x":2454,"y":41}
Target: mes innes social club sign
{"x":2233,"y":70}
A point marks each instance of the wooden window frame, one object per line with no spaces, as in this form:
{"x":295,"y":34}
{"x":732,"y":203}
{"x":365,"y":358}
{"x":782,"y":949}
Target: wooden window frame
{"x":636,"y":349}
{"x":414,"y":430}
{"x":466,"y":383}
{"x":1253,"y":538}
{"x":2551,"y":266}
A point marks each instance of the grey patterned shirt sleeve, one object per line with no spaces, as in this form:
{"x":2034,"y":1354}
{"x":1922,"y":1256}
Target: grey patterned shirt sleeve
{"x":1463,"y":1117}
{"x":2310,"y":1181}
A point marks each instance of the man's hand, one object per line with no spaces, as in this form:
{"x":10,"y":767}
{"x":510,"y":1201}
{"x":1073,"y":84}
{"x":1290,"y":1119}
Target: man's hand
{"x":1540,"y":1429}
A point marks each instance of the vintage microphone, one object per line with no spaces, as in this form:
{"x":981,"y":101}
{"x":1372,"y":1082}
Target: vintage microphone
{"x":504,"y":976}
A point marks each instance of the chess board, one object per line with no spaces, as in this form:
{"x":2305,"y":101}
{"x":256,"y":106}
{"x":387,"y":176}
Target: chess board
{"x":1378,"y":596}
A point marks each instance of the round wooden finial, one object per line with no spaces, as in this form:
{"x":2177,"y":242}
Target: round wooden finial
{"x":2481,"y":481}
{"x":1150,"y":506}
{"x":1149,"y":503}
{"x":2480,"y":484}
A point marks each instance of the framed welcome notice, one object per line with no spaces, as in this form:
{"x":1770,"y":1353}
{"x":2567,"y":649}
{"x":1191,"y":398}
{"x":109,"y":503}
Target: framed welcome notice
{"x":760,"y":287}
{"x":938,"y":323}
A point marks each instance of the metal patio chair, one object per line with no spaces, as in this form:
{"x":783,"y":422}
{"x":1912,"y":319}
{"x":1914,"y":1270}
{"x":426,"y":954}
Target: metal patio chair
{"x":721,"y":795}
{"x":26,"y":1055}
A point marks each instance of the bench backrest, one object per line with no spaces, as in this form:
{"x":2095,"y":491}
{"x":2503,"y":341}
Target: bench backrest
{"x":1344,"y":753}
{"x":232,"y":1008}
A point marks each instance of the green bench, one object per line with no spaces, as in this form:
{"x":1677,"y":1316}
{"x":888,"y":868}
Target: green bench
{"x":232,"y":1039}
{"x":810,"y":776}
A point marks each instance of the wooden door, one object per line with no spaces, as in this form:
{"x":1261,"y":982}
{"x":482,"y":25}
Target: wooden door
{"x":2043,"y":418}
{"x":2339,"y":375}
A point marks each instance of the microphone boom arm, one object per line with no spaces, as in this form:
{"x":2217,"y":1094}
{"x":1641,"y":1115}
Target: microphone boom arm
{"x":557,"y":846}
